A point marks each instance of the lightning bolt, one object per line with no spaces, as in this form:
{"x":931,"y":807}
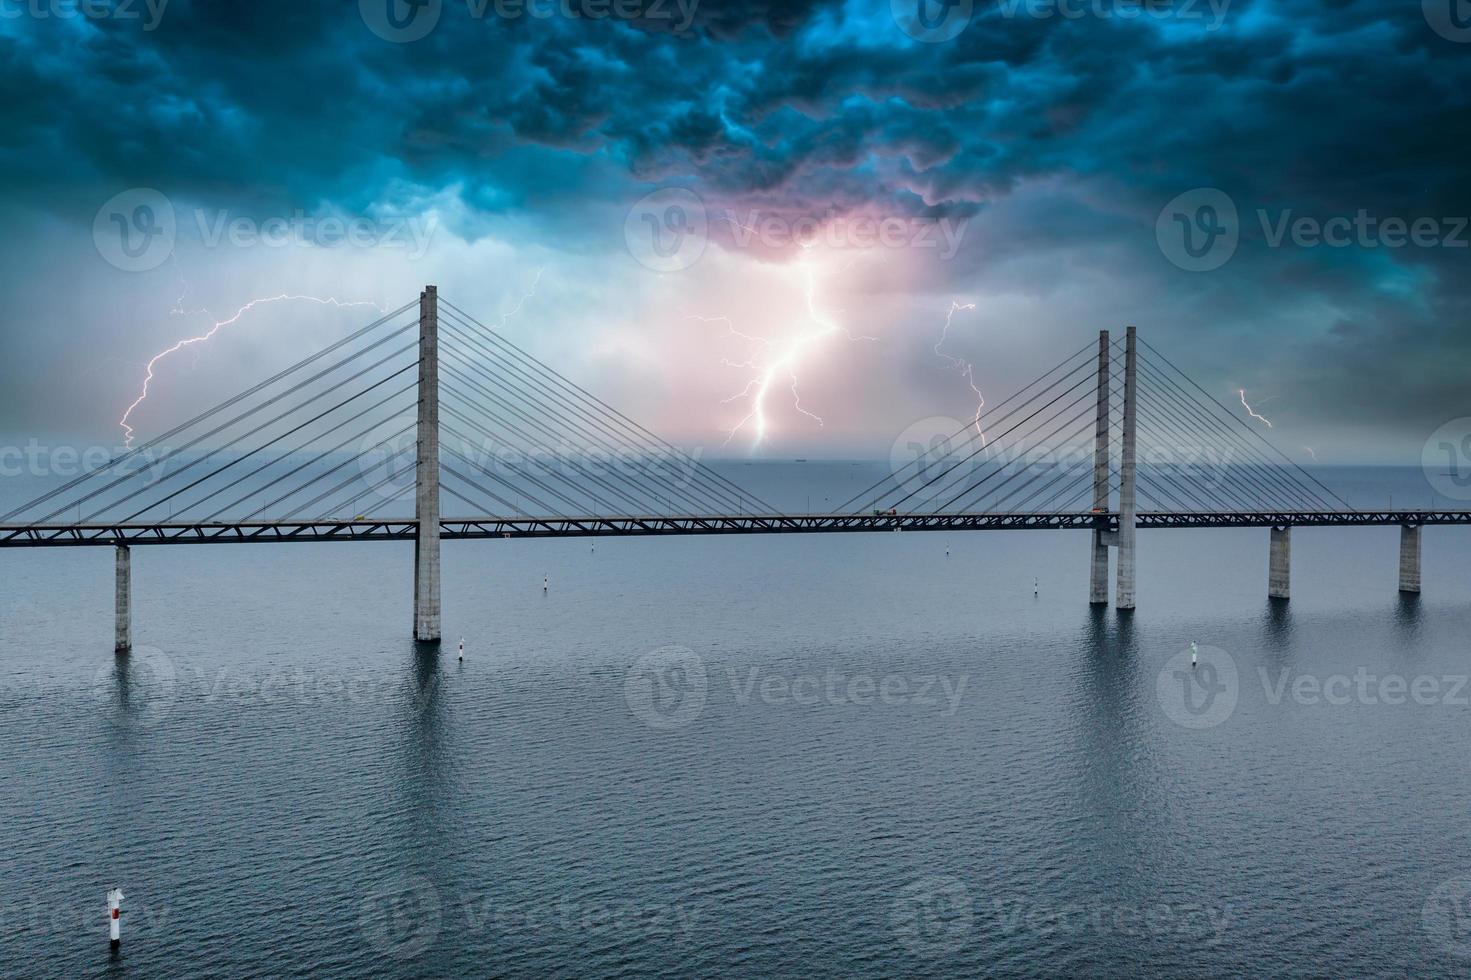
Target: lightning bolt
{"x":966,"y":369}
{"x":775,"y":362}
{"x":214,"y":329}
{"x":1242,"y":393}
{"x":525,"y":297}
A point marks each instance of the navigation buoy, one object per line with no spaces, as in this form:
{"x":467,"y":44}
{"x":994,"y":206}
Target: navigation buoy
{"x":114,"y":917}
{"x":462,"y":648}
{"x":1035,"y":587}
{"x":1193,"y":653}
{"x":543,"y":583}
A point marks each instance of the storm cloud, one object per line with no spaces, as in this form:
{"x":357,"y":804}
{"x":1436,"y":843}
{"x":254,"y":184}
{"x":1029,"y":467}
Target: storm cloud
{"x":1058,"y":131}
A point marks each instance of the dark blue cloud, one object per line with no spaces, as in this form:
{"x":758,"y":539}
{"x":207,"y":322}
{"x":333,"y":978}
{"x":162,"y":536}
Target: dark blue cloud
{"x":819,"y":107}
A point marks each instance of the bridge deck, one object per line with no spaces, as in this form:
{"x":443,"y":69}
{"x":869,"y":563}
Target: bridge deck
{"x":402,"y":529}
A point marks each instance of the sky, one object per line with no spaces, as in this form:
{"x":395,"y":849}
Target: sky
{"x":765,"y":229}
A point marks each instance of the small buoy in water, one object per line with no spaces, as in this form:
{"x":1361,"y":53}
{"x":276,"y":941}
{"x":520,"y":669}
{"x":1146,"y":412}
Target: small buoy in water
{"x":1035,"y":587}
{"x":1193,"y":652}
{"x":947,"y":551}
{"x":543,"y":583}
{"x":114,"y":917}
{"x":462,"y":648}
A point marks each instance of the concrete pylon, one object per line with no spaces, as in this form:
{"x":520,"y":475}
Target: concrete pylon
{"x":1124,"y":592}
{"x":1098,"y":572}
{"x":426,"y":474}
{"x":123,"y":642}
{"x":1409,"y":558}
{"x":1279,"y":564}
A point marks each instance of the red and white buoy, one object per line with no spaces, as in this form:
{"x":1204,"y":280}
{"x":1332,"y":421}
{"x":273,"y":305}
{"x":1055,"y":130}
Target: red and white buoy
{"x":114,"y":916}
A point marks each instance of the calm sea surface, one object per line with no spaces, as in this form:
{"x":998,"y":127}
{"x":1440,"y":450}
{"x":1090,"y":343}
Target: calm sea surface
{"x":848,"y":755}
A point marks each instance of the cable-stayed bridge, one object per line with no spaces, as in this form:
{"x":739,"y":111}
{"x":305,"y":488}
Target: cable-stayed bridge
{"x":371,"y":437}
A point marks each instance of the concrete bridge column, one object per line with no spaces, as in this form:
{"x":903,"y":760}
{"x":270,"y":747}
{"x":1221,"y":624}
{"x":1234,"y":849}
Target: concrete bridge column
{"x":1279,"y":564}
{"x":1098,"y":573}
{"x":1409,"y":558}
{"x":124,"y":632}
{"x":1124,"y":593}
{"x":426,"y":474}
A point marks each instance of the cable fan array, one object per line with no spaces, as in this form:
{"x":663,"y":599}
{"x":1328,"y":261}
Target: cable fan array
{"x":1034,"y":451}
{"x":334,"y":436}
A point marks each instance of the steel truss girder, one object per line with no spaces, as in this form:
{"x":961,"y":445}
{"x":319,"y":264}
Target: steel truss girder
{"x":402,"y":529}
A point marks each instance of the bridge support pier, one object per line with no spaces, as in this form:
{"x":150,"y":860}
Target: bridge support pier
{"x":1409,"y":558}
{"x":1098,"y":571}
{"x":426,"y":474}
{"x":1279,"y":564}
{"x":1128,"y":461}
{"x":123,"y":641}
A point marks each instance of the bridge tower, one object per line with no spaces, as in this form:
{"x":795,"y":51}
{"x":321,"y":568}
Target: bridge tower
{"x":426,"y":474}
{"x":1098,"y":573}
{"x":1124,"y":594}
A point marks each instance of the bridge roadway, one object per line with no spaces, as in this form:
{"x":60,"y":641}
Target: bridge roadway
{"x":403,"y":529}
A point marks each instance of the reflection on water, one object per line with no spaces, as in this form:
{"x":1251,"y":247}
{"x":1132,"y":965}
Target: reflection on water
{"x":306,"y":794}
